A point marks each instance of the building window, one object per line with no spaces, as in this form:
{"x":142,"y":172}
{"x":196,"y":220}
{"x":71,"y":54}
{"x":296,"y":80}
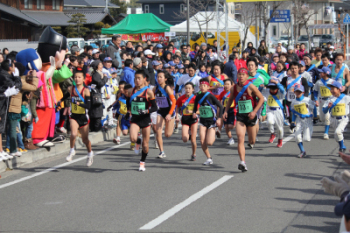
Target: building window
{"x":146,"y":8}
{"x":28,"y":4}
{"x":182,"y":8}
{"x":40,"y":4}
{"x":56,"y":5}
{"x":274,"y":30}
{"x":161,"y":9}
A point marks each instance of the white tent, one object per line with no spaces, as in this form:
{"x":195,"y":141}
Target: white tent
{"x":199,"y":21}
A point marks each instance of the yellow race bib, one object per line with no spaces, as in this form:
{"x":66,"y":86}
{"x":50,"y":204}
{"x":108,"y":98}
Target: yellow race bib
{"x":225,"y":103}
{"x":123,"y":108}
{"x":115,"y":90}
{"x":325,"y":92}
{"x":339,"y":110}
{"x":272,"y":102}
{"x":188,"y":110}
{"x":301,"y":108}
{"x":77,"y":109}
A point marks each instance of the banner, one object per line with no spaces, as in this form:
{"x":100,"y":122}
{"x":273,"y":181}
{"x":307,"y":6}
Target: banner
{"x":131,"y":37}
{"x":154,"y":37}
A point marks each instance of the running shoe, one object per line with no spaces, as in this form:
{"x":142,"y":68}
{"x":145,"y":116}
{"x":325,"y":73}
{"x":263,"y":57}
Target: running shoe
{"x":302,"y":154}
{"x":231,"y":141}
{"x":208,"y":162}
{"x":70,"y":156}
{"x":132,"y":146}
{"x":3,"y":156}
{"x":8,"y":156}
{"x":138,"y":145}
{"x":286,"y":123}
{"x":156,"y":144}
{"x":325,"y":136}
{"x":142,"y":167}
{"x":116,"y":140}
{"x":242,"y":166}
{"x":161,"y":155}
{"x":61,"y":130}
{"x":176,"y":130}
{"x":315,"y":120}
{"x":280,"y":143}
{"x":218,"y":133}
{"x":292,"y":130}
{"x":22,"y":150}
{"x":193,"y":157}
{"x":89,"y":160}
{"x":251,"y":146}
{"x":272,"y":138}
{"x":16,"y":154}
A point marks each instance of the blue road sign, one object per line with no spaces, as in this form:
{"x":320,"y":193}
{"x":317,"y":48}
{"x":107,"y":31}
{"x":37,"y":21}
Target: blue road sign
{"x":280,"y":16}
{"x":346,"y":19}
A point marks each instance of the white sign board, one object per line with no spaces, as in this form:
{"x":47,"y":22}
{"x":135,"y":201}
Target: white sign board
{"x":169,"y":33}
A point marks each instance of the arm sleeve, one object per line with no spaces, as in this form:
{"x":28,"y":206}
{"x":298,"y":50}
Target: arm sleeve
{"x":196,"y":100}
{"x":153,"y":106}
{"x":87,"y":104}
{"x":281,"y":88}
{"x":177,"y":89}
{"x":173,"y":105}
{"x":305,"y":83}
{"x":316,"y":95}
{"x":218,"y":104}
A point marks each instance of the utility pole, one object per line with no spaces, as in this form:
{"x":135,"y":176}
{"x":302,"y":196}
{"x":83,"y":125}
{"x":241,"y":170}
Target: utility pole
{"x":256,"y":25}
{"x":188,"y":21}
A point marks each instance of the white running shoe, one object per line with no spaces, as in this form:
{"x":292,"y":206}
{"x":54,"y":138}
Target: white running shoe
{"x":70,"y":156}
{"x":325,"y":136}
{"x":61,"y":130}
{"x":16,"y":154}
{"x":231,"y":141}
{"x":242,"y":166}
{"x":176,"y":130}
{"x":161,"y":155}
{"x":3,"y":156}
{"x":156,"y":144}
{"x":89,"y":160}
{"x":142,"y":167}
{"x":117,"y":140}
{"x":208,"y":162}
{"x":8,"y":156}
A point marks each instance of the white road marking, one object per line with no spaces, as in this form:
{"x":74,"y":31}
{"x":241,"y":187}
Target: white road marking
{"x":290,"y":137}
{"x":152,"y":224}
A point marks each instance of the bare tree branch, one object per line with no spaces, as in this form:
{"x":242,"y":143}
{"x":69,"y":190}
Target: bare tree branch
{"x":248,"y":16}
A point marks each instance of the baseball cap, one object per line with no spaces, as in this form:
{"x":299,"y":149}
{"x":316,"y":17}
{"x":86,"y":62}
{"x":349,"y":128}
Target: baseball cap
{"x":159,"y":46}
{"x":155,"y":63}
{"x":290,"y":47}
{"x":271,"y":84}
{"x":325,"y":70}
{"x":172,"y":63}
{"x":180,"y":66}
{"x":95,"y":51}
{"x":113,"y":70}
{"x":94,"y":46}
{"x":107,"y":59}
{"x":148,"y":52}
{"x":166,"y":65}
{"x":275,"y":55}
{"x":299,"y":87}
{"x":335,"y":84}
{"x":137,"y":61}
{"x":343,"y":208}
{"x":302,"y":63}
{"x":74,"y":49}
{"x":332,"y":47}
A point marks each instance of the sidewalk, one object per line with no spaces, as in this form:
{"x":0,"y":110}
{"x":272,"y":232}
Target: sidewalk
{"x":59,"y":148}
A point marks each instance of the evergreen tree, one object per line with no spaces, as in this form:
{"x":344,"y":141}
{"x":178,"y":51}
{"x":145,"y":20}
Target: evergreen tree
{"x":76,"y":27}
{"x":115,"y":12}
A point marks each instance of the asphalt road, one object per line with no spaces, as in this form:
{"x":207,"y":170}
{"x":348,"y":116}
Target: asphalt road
{"x":279,"y":193}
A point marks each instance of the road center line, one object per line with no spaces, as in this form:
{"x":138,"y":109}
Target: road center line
{"x":285,"y":140}
{"x":171,"y":212}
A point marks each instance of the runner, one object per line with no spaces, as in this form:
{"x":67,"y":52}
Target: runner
{"x":302,"y":108}
{"x":338,"y":106}
{"x":321,"y":87}
{"x":275,"y":110}
{"x":245,"y":98}
{"x":166,"y":103}
{"x":79,"y":117}
{"x":280,"y":72}
{"x":141,"y":104}
{"x":340,"y":72}
{"x":185,"y":106}
{"x":230,"y":122}
{"x":209,"y":117}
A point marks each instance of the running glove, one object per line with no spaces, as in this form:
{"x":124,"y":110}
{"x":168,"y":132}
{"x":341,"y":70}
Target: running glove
{"x":337,"y":187}
{"x":143,"y":112}
{"x":292,"y":126}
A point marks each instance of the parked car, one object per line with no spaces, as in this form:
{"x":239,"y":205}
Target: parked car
{"x":284,"y":40}
{"x":327,"y":38}
{"x":75,"y":41}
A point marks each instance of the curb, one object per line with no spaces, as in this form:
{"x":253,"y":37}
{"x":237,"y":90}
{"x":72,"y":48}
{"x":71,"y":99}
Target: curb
{"x":36,"y":155}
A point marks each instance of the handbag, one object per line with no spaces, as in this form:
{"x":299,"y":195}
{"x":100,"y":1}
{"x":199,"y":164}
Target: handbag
{"x":96,"y":98}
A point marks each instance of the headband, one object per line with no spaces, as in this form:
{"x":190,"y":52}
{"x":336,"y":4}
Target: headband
{"x":204,"y":82}
{"x":243,"y":70}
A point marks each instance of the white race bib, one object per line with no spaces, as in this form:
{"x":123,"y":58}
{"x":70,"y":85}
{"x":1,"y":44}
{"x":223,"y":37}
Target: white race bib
{"x":162,"y":102}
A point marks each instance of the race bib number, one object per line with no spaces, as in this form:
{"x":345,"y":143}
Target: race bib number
{"x":76,"y":109}
{"x":162,"y":102}
{"x":123,"y":108}
{"x":325,"y":92}
{"x":272,"y":102}
{"x":188,"y":110}
{"x":225,"y":103}
{"x":136,"y":106}
{"x":206,"y":112}
{"x":301,"y":108}
{"x":217,"y":91}
{"x":245,"y":106}
{"x":338,"y":110}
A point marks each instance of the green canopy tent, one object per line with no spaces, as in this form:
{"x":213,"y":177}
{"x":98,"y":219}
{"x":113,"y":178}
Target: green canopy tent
{"x":138,"y":23}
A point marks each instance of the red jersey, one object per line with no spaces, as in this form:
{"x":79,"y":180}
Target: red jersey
{"x":181,"y":101}
{"x":221,"y":97}
{"x":241,"y":63}
{"x":244,"y":104}
{"x":213,"y":82}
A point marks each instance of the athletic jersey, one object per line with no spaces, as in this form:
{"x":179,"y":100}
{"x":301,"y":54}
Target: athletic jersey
{"x":341,"y":76}
{"x":76,"y":109}
{"x":323,"y":91}
{"x":140,"y":102}
{"x":122,"y":105}
{"x":272,"y":103}
{"x":280,"y":75}
{"x":224,"y":98}
{"x":182,"y":100}
{"x":207,"y":107}
{"x":342,"y":107}
{"x":290,"y":96}
{"x":307,"y":76}
{"x":163,"y":102}
{"x":246,"y":103}
{"x":304,"y":106}
{"x":185,"y":79}
{"x":213,"y":82}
